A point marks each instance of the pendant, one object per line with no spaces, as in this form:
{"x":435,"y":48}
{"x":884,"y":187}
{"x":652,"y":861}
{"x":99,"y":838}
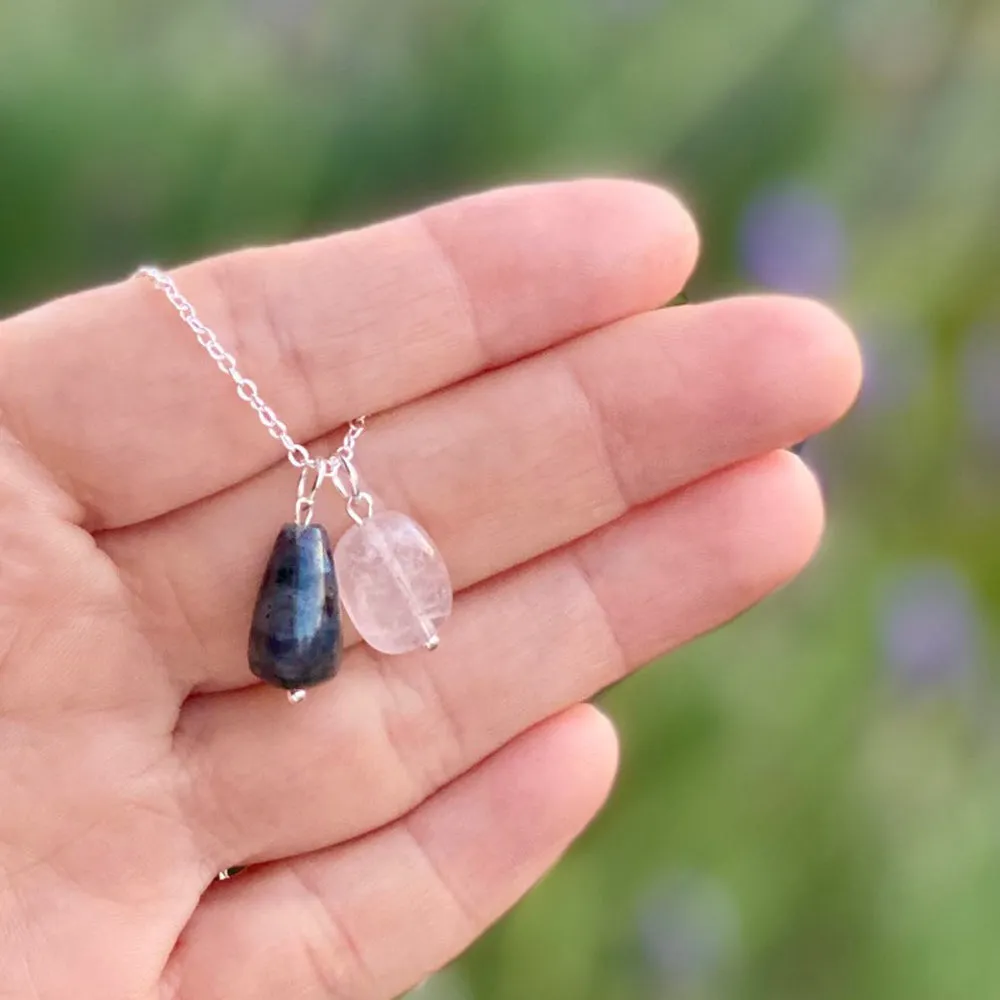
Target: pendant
{"x":295,"y":638}
{"x":392,"y":580}
{"x":395,"y":583}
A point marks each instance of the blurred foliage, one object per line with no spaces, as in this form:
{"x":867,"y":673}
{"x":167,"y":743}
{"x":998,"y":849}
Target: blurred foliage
{"x":809,"y":802}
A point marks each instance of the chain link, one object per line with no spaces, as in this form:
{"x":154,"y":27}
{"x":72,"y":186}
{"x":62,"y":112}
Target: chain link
{"x":246,"y":389}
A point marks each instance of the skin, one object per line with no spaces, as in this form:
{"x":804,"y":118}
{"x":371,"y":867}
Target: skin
{"x":604,"y":478}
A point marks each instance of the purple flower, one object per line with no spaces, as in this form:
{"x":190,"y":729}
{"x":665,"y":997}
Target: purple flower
{"x":688,"y":931}
{"x":792,"y":240}
{"x":930,"y":629}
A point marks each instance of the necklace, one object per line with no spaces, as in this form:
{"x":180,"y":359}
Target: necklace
{"x":385,"y":569}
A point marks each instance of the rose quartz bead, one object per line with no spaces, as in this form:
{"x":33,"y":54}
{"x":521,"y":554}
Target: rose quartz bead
{"x":393,"y":582}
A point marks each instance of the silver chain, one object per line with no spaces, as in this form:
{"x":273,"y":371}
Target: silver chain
{"x":339,"y":468}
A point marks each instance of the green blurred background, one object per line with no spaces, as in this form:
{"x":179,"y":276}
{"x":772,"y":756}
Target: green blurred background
{"x":809,"y":802}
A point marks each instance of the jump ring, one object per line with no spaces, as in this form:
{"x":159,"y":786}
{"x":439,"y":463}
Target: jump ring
{"x":352,"y":487}
{"x":320,"y":472}
{"x":360,"y":500}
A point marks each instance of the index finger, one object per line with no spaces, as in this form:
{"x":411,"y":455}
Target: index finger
{"x":109,"y":390}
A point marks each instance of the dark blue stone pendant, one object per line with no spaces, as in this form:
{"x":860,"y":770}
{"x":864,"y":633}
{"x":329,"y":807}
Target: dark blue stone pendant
{"x":295,"y":638}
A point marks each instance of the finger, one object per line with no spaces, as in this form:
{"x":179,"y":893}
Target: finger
{"x":522,"y":647}
{"x":372,"y":918}
{"x":110,"y":390}
{"x":518,"y":462}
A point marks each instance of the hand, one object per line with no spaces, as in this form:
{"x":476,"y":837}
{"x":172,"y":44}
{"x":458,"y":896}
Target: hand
{"x":602,"y":477}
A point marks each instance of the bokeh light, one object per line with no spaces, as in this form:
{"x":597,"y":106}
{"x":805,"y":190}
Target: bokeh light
{"x":689,"y":931}
{"x":930,"y":628}
{"x":792,"y":240}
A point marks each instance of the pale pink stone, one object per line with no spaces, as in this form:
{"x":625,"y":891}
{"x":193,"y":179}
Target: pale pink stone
{"x":393,"y":582}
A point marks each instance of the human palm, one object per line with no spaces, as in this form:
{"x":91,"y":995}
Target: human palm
{"x":603,"y":478}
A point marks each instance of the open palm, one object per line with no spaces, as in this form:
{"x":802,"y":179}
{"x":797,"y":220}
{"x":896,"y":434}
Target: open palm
{"x":602,"y":477}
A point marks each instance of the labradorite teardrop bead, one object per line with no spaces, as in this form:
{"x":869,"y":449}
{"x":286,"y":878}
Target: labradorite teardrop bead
{"x":295,"y":637}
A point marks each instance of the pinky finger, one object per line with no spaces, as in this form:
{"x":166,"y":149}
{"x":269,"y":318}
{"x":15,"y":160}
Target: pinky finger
{"x":369,"y":919}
